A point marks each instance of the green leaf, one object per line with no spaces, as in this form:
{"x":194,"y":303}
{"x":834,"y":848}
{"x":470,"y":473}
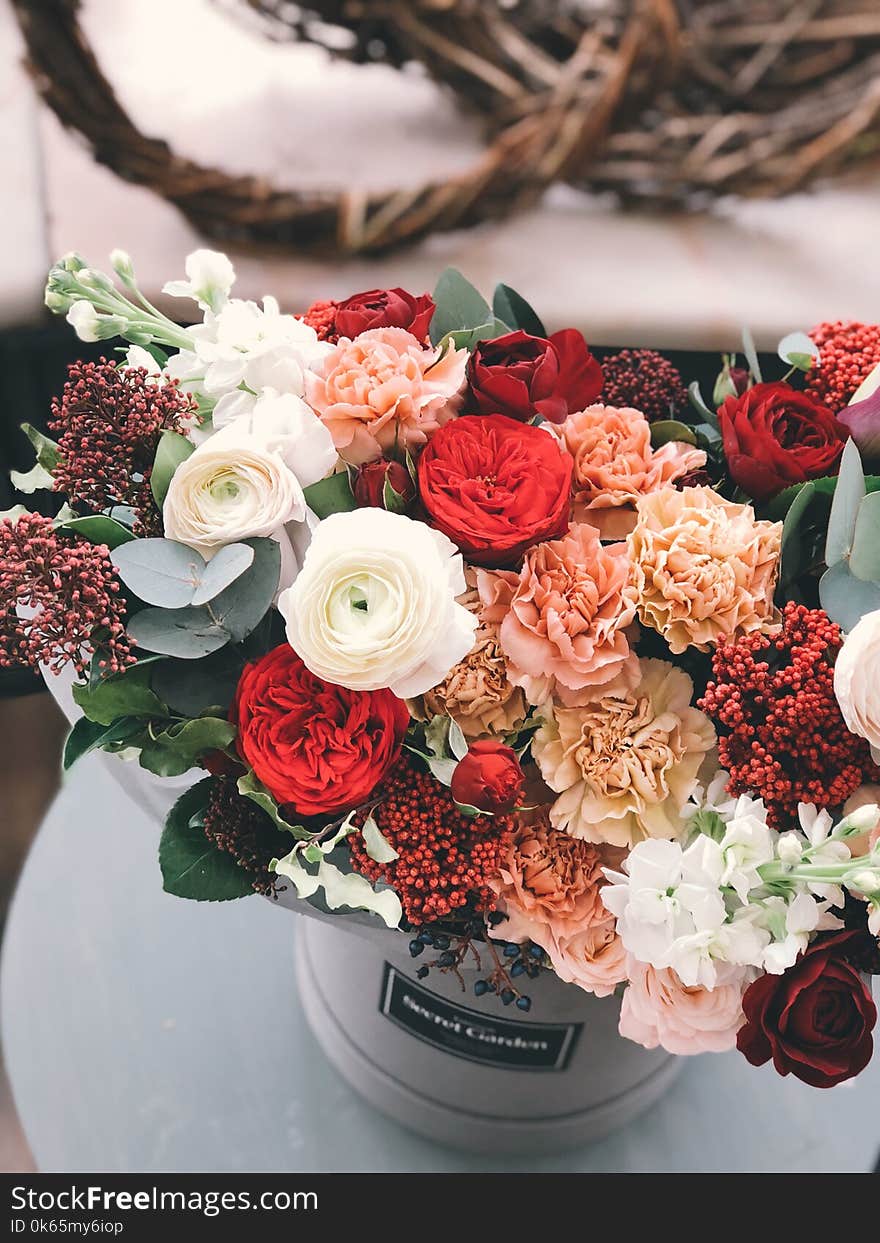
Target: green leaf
{"x":99,"y":529}
{"x":470,"y":338}
{"x":751,"y":355}
{"x":251,"y":788}
{"x":190,"y":687}
{"x":47,"y":451}
{"x":776,"y":509}
{"x":187,"y":633}
{"x":172,"y":450}
{"x":864,"y":559}
{"x":192,"y":866}
{"x":513,"y":309}
{"x":667,"y":430}
{"x":696,"y":399}
{"x":459,"y":305}
{"x":242,"y":606}
{"x":340,"y":889}
{"x":846,"y":598}
{"x":89,"y":736}
{"x":122,"y":695}
{"x":791,"y":560}
{"x":223,"y":569}
{"x":174,"y":750}
{"x":798,"y":350}
{"x":332,"y":495}
{"x":377,"y":846}
{"x":160,"y":571}
{"x":848,"y":496}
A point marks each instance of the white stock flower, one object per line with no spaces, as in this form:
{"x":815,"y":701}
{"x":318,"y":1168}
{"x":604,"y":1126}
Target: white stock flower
{"x":84,"y":319}
{"x":137,"y":356}
{"x":746,"y":845}
{"x":230,"y":489}
{"x":285,"y":425}
{"x":794,"y":923}
{"x":210,"y":278}
{"x":374,"y":604}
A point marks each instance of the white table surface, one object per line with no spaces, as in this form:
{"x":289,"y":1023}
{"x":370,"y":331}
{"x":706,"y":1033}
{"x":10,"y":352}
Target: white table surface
{"x":146,"y":1033}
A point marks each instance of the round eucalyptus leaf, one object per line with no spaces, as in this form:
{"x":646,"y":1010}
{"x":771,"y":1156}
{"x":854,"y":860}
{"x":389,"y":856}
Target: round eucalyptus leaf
{"x":160,"y":571}
{"x":224,"y":568}
{"x":188,"y":633}
{"x":864,"y":557}
{"x":846,"y":598}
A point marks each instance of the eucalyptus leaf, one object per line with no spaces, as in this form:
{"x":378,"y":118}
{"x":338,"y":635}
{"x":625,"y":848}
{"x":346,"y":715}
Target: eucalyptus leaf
{"x":160,"y":571}
{"x":332,"y":495}
{"x":224,"y":568}
{"x":665,"y":431}
{"x":192,"y":866}
{"x":513,"y":309}
{"x":99,"y":529}
{"x":242,"y":606}
{"x":470,"y":338}
{"x":458,"y":305}
{"x":864,"y":558}
{"x":846,"y":598}
{"x":187,"y":633}
{"x":798,"y":350}
{"x":172,"y":450}
{"x":848,"y":496}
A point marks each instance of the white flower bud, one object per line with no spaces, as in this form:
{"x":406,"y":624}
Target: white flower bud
{"x":865,"y":882}
{"x":121,"y":263}
{"x":83,"y":317}
{"x":790,"y":848}
{"x":863,"y":819}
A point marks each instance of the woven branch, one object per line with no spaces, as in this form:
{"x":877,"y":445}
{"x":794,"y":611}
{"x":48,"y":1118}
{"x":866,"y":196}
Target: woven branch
{"x":668,"y":102}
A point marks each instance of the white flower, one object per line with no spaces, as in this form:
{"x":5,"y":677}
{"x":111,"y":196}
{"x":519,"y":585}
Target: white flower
{"x":230,"y":489}
{"x":211,"y":276}
{"x":374,"y":604}
{"x":746,"y":845}
{"x":285,"y":425}
{"x":137,"y":356}
{"x":857,"y":680}
{"x":83,"y":317}
{"x":790,"y":848}
{"x":792,"y":925}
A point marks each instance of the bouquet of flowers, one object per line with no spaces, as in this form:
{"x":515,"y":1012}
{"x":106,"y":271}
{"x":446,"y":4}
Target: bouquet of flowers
{"x":555,"y":661}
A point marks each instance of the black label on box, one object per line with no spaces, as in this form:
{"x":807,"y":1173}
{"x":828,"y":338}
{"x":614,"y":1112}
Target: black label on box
{"x":471,"y":1034}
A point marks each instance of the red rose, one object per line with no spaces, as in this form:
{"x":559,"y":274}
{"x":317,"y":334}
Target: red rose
{"x":489,"y":777}
{"x":495,"y":486}
{"x":775,"y":436}
{"x":522,"y":376}
{"x":318,"y":747}
{"x":815,"y":1020}
{"x":369,"y":486}
{"x":384,"y":308}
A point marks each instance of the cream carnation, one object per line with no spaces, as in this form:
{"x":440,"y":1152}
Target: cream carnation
{"x":857,"y":681}
{"x":625,"y":763}
{"x":230,"y":488}
{"x":374,"y":604}
{"x":704,"y":568}
{"x":384,"y":390}
{"x":658,"y":1009}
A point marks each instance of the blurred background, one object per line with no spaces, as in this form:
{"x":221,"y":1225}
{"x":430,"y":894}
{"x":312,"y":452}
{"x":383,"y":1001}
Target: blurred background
{"x":655,"y":173}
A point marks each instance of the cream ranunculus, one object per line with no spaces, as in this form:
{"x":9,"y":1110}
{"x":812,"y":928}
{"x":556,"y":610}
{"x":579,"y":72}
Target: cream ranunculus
{"x":857,"y":681}
{"x":231,"y":488}
{"x":374,"y":604}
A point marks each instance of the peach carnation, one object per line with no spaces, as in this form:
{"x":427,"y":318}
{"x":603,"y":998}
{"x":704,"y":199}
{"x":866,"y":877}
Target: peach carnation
{"x":563,"y":618}
{"x":704,"y":569}
{"x":384,"y":390}
{"x":625,"y":763}
{"x":614,"y":465}
{"x":549,"y":884}
{"x":476,"y":693}
{"x":658,"y":1009}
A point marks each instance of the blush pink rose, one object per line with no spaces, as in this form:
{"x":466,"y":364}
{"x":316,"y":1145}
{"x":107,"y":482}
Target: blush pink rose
{"x":659,"y":1010}
{"x":592,"y":957}
{"x":563,"y":617}
{"x":614,"y":464}
{"x":384,"y":390}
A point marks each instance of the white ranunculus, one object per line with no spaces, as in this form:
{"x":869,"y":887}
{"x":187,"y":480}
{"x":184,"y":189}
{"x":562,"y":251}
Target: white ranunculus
{"x":231,"y":488}
{"x":857,"y":680}
{"x":374,"y":604}
{"x":210,"y":276}
{"x":285,"y":425}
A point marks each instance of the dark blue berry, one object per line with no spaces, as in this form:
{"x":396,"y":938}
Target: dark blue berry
{"x":536,"y":951}
{"x":422,"y":972}
{"x":442,"y":942}
{"x":481,"y":987}
{"x":518,"y":968}
{"x":507,"y":996}
{"x":416,"y":948}
{"x":511,"y":951}
{"x":524,"y":1003}
{"x":446,"y":959}
{"x":426,"y":937}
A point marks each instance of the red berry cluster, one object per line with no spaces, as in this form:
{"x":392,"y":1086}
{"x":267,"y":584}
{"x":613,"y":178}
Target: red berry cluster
{"x":322,"y":317}
{"x":781,"y":732}
{"x":110,"y":422}
{"x":69,"y":593}
{"x":646,"y":381}
{"x":445,"y":859}
{"x":849,"y":352}
{"x":237,"y":826}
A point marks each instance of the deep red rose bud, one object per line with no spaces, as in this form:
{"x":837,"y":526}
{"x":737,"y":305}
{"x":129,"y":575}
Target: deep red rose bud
{"x":775,"y":436}
{"x":740,"y":378}
{"x":369,"y":486}
{"x":489,"y":777}
{"x":815,"y":1020}
{"x":321,"y":748}
{"x":384,"y":308}
{"x":219,"y":764}
{"x":521,"y":376}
